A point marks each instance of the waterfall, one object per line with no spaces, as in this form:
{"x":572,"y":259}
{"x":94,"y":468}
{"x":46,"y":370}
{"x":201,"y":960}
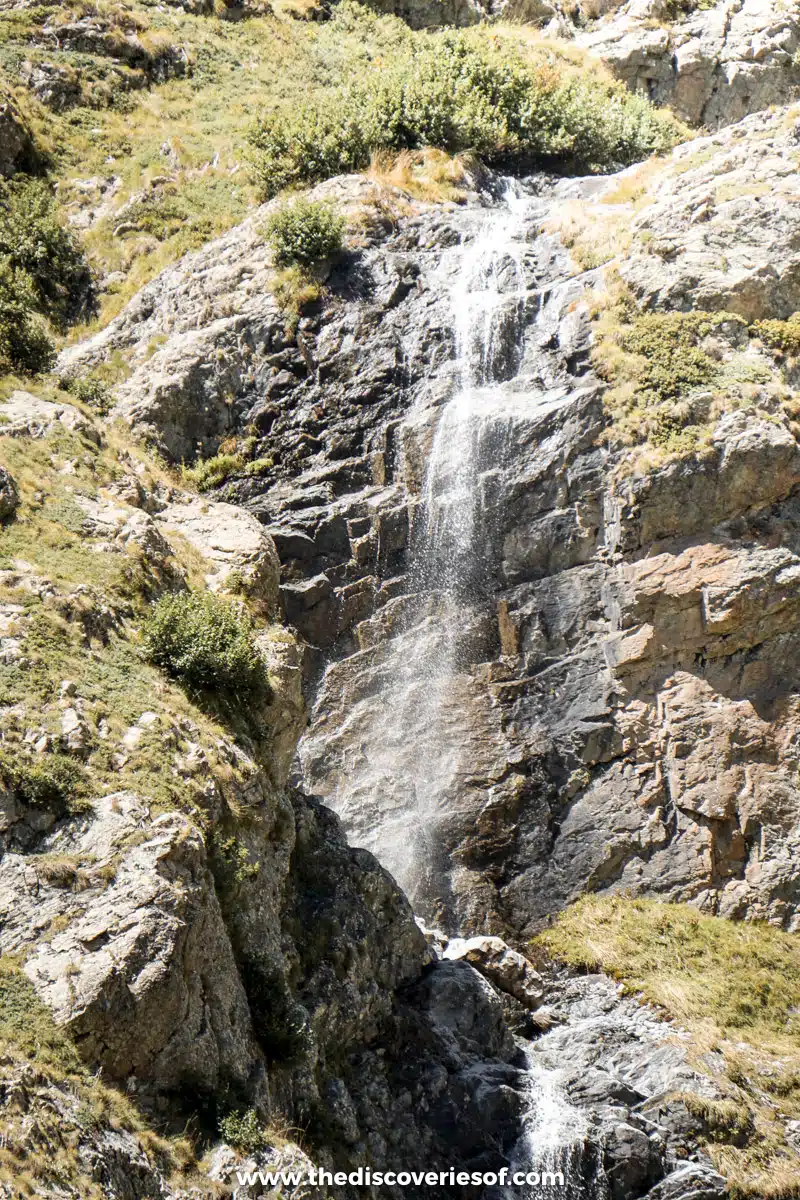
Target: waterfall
{"x":413,"y":749}
{"x":403,"y":769}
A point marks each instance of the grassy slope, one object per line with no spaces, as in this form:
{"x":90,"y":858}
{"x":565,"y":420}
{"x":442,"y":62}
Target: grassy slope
{"x":735,"y":988}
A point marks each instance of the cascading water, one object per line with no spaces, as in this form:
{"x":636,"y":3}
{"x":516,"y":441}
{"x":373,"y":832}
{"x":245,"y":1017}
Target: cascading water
{"x":552,"y":1142}
{"x":420,"y":680}
{"x":411,"y":753}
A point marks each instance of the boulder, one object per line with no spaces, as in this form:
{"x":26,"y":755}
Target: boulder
{"x":240,"y":552}
{"x":507,"y":969}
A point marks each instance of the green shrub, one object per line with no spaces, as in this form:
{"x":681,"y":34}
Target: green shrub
{"x":46,"y":781}
{"x":304,"y":231}
{"x":783,"y":336}
{"x":206,"y":643}
{"x":211,"y":472}
{"x":91,"y":390}
{"x":24,"y":343}
{"x":43,"y":275}
{"x":244,"y":1131}
{"x":35,"y":244}
{"x":454,"y":91}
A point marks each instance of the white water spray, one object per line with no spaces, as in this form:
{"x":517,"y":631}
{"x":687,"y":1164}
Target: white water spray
{"x":553,"y":1134}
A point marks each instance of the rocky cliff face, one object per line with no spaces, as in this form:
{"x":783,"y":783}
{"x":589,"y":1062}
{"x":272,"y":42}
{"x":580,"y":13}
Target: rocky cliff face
{"x":619,"y":706}
{"x":514,"y":508}
{"x":203,"y":934}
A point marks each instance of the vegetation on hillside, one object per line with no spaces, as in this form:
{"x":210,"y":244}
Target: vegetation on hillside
{"x":455,"y":90}
{"x":304,"y":231}
{"x":206,"y":643}
{"x":734,"y":987}
{"x":150,"y":147}
{"x":45,"y":281}
{"x":672,"y":375}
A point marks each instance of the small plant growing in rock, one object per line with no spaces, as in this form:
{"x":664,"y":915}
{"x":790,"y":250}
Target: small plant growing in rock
{"x":52,"y":781}
{"x":209,"y":473}
{"x":206,"y":643}
{"x":244,"y":1131}
{"x":91,"y":390}
{"x":304,"y":232}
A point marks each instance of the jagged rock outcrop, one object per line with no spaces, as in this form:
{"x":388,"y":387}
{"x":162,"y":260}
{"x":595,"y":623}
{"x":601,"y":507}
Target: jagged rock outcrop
{"x":719,"y":235}
{"x":714,"y":66}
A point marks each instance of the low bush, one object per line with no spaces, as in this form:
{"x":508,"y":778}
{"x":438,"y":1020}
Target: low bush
{"x":244,"y":1131}
{"x":674,"y":360}
{"x":783,"y":336}
{"x":209,"y":473}
{"x":24,"y":342}
{"x":47,"y":781}
{"x":44,"y":275}
{"x":456,"y":91}
{"x":304,"y":232}
{"x":36,"y":246}
{"x":206,"y":643}
{"x":91,"y":390}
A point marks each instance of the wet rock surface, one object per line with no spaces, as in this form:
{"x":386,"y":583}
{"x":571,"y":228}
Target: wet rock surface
{"x":625,"y":1072}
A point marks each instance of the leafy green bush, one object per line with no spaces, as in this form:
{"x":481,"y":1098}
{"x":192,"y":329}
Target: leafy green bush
{"x":674,"y":360}
{"x":244,"y":1131}
{"x":304,"y":231}
{"x":455,"y":91}
{"x":90,"y":390}
{"x":24,"y":343}
{"x":34,"y":242}
{"x":206,"y":643}
{"x":783,"y":336}
{"x":46,"y":781}
{"x":43,"y":274}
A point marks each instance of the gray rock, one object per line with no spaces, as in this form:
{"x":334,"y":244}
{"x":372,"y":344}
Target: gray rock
{"x":9,"y":496}
{"x":507,"y":969}
{"x":240,"y":552}
{"x":693,"y":1181}
{"x":714,"y":68}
